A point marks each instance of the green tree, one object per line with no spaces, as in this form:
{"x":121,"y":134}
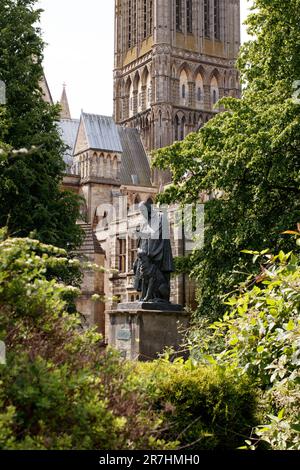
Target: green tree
{"x":30,"y":193}
{"x":247,"y":157}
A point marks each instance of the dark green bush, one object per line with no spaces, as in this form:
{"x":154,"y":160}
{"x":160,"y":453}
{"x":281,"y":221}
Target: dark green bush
{"x":204,"y":407}
{"x":54,"y":408}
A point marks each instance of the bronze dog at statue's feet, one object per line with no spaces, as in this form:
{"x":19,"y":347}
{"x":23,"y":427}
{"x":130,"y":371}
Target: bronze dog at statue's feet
{"x":154,"y":285}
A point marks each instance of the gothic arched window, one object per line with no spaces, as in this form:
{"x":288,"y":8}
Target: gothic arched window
{"x":131,"y":110}
{"x":183,"y":88}
{"x":148,"y":91}
{"x":214,"y":86}
{"x":189,"y":16}
{"x":207,"y":18}
{"x":178,"y":16}
{"x":182,"y":128}
{"x":139,"y":95}
{"x":122,"y":253}
{"x":129,"y":23}
{"x":215,"y":96}
{"x":176,"y":125}
{"x":200,"y":123}
{"x":150,"y":17}
{"x":145,"y":19}
{"x":199,"y":91}
{"x":132,"y":23}
{"x":217,"y":19}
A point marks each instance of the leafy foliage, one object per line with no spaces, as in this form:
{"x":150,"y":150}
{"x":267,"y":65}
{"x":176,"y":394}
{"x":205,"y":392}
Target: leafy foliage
{"x":30,"y":193}
{"x":261,"y":338}
{"x":205,"y":408}
{"x":59,"y":388}
{"x":247,"y":157}
{"x":182,"y":264}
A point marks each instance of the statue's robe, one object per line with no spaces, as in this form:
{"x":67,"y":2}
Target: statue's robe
{"x":155,"y":242}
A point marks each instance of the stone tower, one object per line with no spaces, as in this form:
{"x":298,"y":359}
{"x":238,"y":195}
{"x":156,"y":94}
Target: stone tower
{"x":173,"y":60}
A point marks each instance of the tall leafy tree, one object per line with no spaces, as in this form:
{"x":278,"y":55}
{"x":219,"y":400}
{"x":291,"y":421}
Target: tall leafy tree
{"x":30,"y":195}
{"x":247,"y":156}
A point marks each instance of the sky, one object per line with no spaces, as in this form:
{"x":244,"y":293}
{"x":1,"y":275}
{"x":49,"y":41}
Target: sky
{"x":80,"y":51}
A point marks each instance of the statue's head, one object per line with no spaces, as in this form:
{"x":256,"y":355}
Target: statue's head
{"x":145,"y":208}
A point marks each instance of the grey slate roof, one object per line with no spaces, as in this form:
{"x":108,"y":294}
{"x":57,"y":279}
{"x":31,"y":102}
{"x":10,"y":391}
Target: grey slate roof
{"x":135,"y":167}
{"x":68,"y":130}
{"x":101,"y":132}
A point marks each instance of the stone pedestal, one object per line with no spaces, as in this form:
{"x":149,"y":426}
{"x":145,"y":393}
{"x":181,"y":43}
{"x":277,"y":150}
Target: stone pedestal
{"x":141,"y":331}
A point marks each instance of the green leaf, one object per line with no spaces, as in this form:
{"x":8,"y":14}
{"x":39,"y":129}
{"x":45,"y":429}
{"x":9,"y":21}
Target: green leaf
{"x":290,"y":326}
{"x":296,"y":427}
{"x":233,"y":341}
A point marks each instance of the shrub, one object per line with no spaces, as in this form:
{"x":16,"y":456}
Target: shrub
{"x":203,"y":407}
{"x":59,"y":389}
{"x":261,"y":338}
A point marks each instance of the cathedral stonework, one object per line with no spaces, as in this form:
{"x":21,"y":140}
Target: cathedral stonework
{"x":174,"y":59}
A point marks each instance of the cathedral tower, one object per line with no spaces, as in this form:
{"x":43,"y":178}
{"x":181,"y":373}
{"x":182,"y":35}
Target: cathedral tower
{"x":173,"y":60}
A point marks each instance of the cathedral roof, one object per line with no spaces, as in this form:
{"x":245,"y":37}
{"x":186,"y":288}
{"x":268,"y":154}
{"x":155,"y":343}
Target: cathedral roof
{"x":68,"y":129}
{"x":135,"y":168}
{"x":101,"y":133}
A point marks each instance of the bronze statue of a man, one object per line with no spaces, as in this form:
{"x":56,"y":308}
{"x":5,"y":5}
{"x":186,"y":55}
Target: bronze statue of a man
{"x":154,"y":263}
